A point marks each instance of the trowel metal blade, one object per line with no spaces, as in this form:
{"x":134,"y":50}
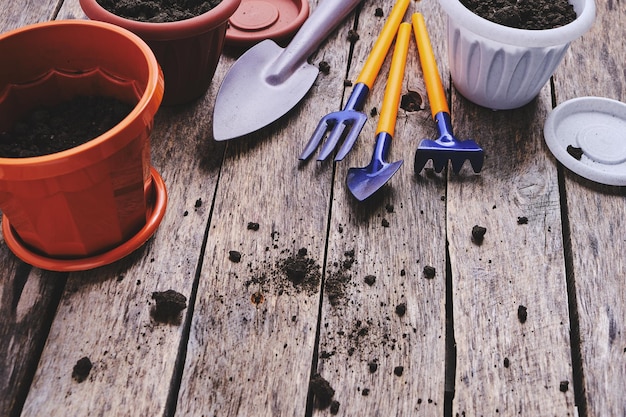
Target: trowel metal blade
{"x":250,"y":98}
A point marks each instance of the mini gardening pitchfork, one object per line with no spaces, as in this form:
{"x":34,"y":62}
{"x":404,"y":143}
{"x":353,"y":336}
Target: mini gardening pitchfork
{"x":446,"y":147}
{"x":352,"y":113}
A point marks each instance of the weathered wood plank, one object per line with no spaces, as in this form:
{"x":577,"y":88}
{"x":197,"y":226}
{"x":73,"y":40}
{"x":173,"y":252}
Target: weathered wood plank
{"x":15,"y":14}
{"x":382,"y":346}
{"x":105,"y":314}
{"x":253,"y":332}
{"x":511,"y":323}
{"x":28,"y":297}
{"x":594,"y":67}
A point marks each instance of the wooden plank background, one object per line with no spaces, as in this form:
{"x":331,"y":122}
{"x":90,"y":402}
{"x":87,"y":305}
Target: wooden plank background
{"x":595,"y":229}
{"x":251,"y":338}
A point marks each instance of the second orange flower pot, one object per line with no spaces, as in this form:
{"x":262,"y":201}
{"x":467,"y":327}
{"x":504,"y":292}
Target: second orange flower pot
{"x":188,"y":50}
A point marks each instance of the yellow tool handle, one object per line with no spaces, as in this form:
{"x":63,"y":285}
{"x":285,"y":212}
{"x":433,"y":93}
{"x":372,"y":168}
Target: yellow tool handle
{"x":381,"y":46}
{"x":391,"y":101}
{"x":432,"y":79}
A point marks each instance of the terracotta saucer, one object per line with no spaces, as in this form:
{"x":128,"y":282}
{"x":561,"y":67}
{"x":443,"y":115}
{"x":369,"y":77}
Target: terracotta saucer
{"x":155,"y":215}
{"x":257,"y":20}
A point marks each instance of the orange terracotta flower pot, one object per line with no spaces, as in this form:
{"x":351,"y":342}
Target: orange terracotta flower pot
{"x":188,"y":50}
{"x":75,"y":209}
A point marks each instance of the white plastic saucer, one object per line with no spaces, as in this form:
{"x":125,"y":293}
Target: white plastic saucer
{"x":588,"y":136}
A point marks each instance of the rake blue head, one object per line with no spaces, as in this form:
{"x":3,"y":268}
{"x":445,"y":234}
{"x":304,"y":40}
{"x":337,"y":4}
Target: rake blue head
{"x":448,"y":148}
{"x":350,"y":117}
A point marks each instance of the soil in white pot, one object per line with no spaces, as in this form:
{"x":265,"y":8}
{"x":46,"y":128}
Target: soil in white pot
{"x":158,"y":11}
{"x":524,"y":14}
{"x":52,"y":129}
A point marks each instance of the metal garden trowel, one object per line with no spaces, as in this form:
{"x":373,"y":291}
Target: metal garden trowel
{"x":267,"y":81}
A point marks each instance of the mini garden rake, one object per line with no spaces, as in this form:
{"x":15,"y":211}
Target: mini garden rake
{"x":446,"y":147}
{"x":352,"y":116}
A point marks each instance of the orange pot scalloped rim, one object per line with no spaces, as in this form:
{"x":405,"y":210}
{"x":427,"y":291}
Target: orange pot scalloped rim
{"x":148,"y":103}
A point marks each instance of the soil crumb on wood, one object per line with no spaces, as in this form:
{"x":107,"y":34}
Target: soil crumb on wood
{"x":429,"y":272}
{"x":353,"y":36}
{"x":324,"y":67}
{"x":158,"y":11}
{"x":322,"y":392}
{"x":52,"y":129}
{"x":337,"y":282}
{"x":401,"y":309}
{"x":234,"y":256}
{"x":527,"y":14}
{"x":81,"y":370}
{"x":522,"y":314}
{"x":302,"y":271}
{"x":168,"y":305}
{"x":478,"y":234}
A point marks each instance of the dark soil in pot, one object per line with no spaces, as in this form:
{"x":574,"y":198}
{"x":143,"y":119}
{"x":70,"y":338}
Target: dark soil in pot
{"x":158,"y":11}
{"x":48,"y":130}
{"x":527,"y":14}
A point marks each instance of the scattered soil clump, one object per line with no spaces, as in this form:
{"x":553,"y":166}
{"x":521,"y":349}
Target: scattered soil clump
{"x":401,"y":309}
{"x":478,"y":234}
{"x":522,"y":314}
{"x":168,"y":306}
{"x":575,"y":152}
{"x":429,"y":272}
{"x":52,"y":129}
{"x":528,"y":14}
{"x":322,"y":392}
{"x":81,"y":370}
{"x":158,"y":11}
{"x":234,"y":256}
{"x":337,"y":282}
{"x":301,"y":271}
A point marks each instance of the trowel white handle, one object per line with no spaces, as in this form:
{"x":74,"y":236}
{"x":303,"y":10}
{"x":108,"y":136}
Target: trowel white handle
{"x":315,"y":29}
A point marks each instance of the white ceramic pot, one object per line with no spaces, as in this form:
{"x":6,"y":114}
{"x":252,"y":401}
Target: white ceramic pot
{"x":500,"y":67}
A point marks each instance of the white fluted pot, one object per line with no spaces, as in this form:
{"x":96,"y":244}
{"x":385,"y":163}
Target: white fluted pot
{"x":501,"y":67}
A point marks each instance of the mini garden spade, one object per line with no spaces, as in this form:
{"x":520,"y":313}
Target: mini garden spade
{"x":363,"y":182}
{"x":267,"y":81}
{"x":352,"y":116}
{"x":446,"y":147}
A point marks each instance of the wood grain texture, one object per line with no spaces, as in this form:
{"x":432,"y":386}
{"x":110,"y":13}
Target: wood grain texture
{"x":382,"y":344}
{"x":253,"y":332}
{"x":519,"y":264}
{"x":105,"y":314}
{"x":594,"y":66}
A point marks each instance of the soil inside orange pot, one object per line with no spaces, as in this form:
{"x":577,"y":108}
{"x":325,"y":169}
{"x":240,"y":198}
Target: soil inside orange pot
{"x":52,"y":129}
{"x":158,"y":11}
{"x":527,"y":14}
